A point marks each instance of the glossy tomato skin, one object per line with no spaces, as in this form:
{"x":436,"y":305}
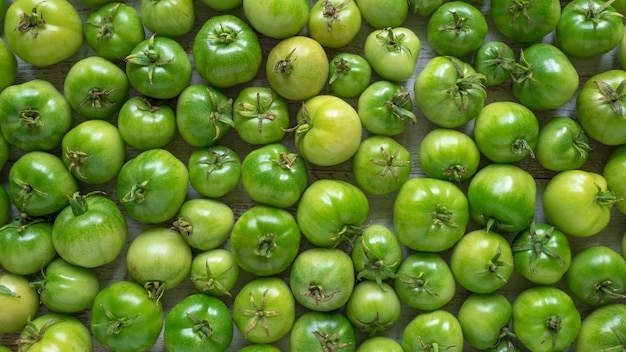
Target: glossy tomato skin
{"x":424,"y":281}
{"x":204,"y":114}
{"x":67,"y":288}
{"x":502,"y":197}
{"x":159,"y":257}
{"x":373,"y":308}
{"x":214,"y":171}
{"x":599,"y":107}
{"x":448,"y":154}
{"x":264,"y":310}
{"x":379,"y":343}
{"x":578,"y":202}
{"x":43,"y":33}
{"x":9,"y":66}
{"x":349,"y":74}
{"x":376,"y":254}
{"x":588,"y":28}
{"x":385,"y":108}
{"x":273,"y":175}
{"x":483,"y":318}
{"x":456,"y":28}
{"x":525,"y":21}
{"x":265,"y":240}
{"x":158,"y":67}
{"x":597,"y":276}
{"x":198,"y":322}
{"x":55,"y":332}
{"x":152,"y":186}
{"x":439,"y":89}
{"x":113,"y":30}
{"x":204,"y":223}
{"x":145,"y":124}
{"x":20,"y":301}
{"x":430,"y":215}
{"x":393,"y":52}
{"x":334,"y":23}
{"x":381,"y":165}
{"x":329,"y":130}
{"x":544,"y":70}
{"x":319,"y":331}
{"x":126,"y":301}
{"x":542,"y":254}
{"x":93,"y":151}
{"x":602,"y":328}
{"x":34,"y":115}
{"x":214,"y":272}
{"x":40,"y":184}
{"x":297,"y":67}
{"x":91,"y":223}
{"x":383,"y":14}
{"x":506,"y":132}
{"x":276,"y":18}
{"x":260,"y":116}
{"x":95,"y":87}
{"x":226,"y":51}
{"x":322,"y":279}
{"x":562,"y":145}
{"x":156,"y":16}
{"x":222,"y":6}
{"x":26,"y":245}
{"x":613,"y":169}
{"x":482,"y":261}
{"x":494,"y":59}
{"x":331,"y":211}
{"x":438,"y":328}
{"x":545,"y":319}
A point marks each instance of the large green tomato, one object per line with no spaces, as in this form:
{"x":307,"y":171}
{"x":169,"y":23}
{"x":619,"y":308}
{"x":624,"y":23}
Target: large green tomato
{"x":525,"y":21}
{"x":334,"y":23}
{"x":562,"y":144}
{"x":448,"y":154}
{"x":19,"y":300}
{"x":436,"y":330}
{"x":55,"y":332}
{"x":456,"y":28}
{"x":43,"y":33}
{"x":328,"y":131}
{"x":204,"y":223}
{"x":603,"y":329}
{"x":26,"y":245}
{"x":381,"y":165}
{"x":113,"y":30}
{"x":157,"y":17}
{"x":260,"y":116}
{"x":485,"y":319}
{"x":393,"y":52}
{"x":277,"y":18}
{"x":322,"y":332}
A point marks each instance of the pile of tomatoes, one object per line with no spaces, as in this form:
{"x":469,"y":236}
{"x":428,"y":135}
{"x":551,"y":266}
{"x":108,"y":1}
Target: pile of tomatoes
{"x":332,"y":175}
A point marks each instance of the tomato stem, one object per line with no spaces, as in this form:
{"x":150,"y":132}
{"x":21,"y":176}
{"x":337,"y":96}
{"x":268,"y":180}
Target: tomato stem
{"x":258,"y":110}
{"x":212,"y":281}
{"x":318,"y":293}
{"x":390,"y":163}
{"x":202,"y":328}
{"x":392,"y":42}
{"x":33,"y":334}
{"x":284,"y":66}
{"x":332,"y":12}
{"x":463,"y":85}
{"x":419,"y":283}
{"x":31,"y":22}
{"x":215,"y":159}
{"x":342,"y":67}
{"x":613,"y":96}
{"x":266,"y":245}
{"x":330,"y":343}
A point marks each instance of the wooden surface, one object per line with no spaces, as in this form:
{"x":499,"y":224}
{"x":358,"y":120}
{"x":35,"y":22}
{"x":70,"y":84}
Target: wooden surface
{"x":381,"y":206}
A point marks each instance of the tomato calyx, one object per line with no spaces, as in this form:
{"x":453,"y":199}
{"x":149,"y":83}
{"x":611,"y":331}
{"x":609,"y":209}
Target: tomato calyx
{"x":580,"y":143}
{"x":203,"y":328}
{"x":390,"y":163}
{"x":286,"y":160}
{"x":458,"y":26}
{"x":30,"y":118}
{"x":222,"y":113}
{"x":78,"y":202}
{"x":222,"y":35}
{"x":464,"y":84}
{"x":98,"y":99}
{"x":212,"y":281}
{"x":155,"y":290}
{"x":606,"y":198}
{"x":331,"y":12}
{"x":613,"y":97}
{"x":455,"y":172}
{"x":538,"y":247}
{"x":145,"y":104}
{"x":31,"y":22}
{"x":26,"y":191}
{"x":519,"y":8}
{"x":522,"y":148}
{"x":216,"y":160}
{"x":605,"y":289}
{"x":596,"y":14}
{"x":342,"y":67}
{"x":148,"y":57}
{"x":433,"y":347}
{"x":506,"y":335}
{"x":554,"y":327}
{"x":284,"y":66}
{"x":374,"y":326}
{"x":105,"y":25}
{"x":258,"y":111}
{"x":136,"y":193}
{"x":76,"y":158}
{"x":396,"y":104}
{"x":259,"y":314}
{"x":495,"y":264}
{"x":266,"y":245}
{"x":34,"y":334}
{"x":419,"y":282}
{"x":182,"y":226}
{"x":330,"y":343}
{"x":376,"y":267}
{"x":318,"y":293}
{"x":393,"y":42}
{"x":8,"y":292}
{"x":522,"y":70}
{"x":116,"y":325}
{"x":442,"y":216}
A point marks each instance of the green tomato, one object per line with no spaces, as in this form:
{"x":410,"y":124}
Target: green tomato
{"x":456,"y":28}
{"x":113,"y":30}
{"x":373,"y":308}
{"x":223,"y":5}
{"x":331,"y":211}
{"x":156,"y":16}
{"x":603,"y":329}
{"x":482,"y":261}
{"x":449,"y":91}
{"x":34,"y":115}
{"x":277,"y":19}
{"x":562,"y":145}
{"x":9,"y":66}
{"x":495,"y":60}
{"x":260,"y":116}
{"x":19,"y":300}
{"x":55,"y":332}
{"x":265,"y":240}
{"x":226,"y":51}
{"x":430,"y":215}
{"x":424,"y":7}
{"x":322,"y":331}
{"x":485,"y":318}
{"x":545,"y":319}
{"x":385,"y":108}
{"x":26,"y":245}
{"x":274,"y":176}
{"x":525,"y":21}
{"x":349,"y":74}
{"x":204,"y":223}
{"x":214,"y":171}
{"x":381,"y":165}
{"x":438,"y":329}
{"x":196,"y":323}
{"x":334,"y":23}
{"x":214,"y":272}
{"x":376,"y":254}
{"x":145,"y":124}
{"x":393,"y":52}
{"x":448,"y":154}
{"x":383,"y":14}
{"x":379,"y":343}
{"x":329,"y":130}
{"x":43,"y":33}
